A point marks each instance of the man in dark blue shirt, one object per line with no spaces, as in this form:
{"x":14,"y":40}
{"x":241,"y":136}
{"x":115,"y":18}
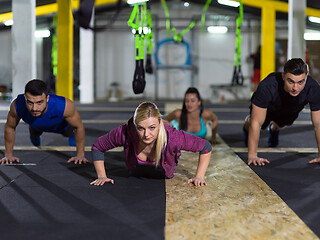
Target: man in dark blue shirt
{"x":279,"y":99}
{"x":44,"y":113}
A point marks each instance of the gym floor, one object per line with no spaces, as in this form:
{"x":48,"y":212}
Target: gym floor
{"x":44,"y":197}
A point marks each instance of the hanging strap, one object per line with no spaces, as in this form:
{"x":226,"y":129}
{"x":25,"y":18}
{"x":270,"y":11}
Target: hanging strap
{"x":149,"y":37}
{"x":237,"y":60}
{"x":149,"y":34}
{"x":54,"y":54}
{"x":138,"y":12}
{"x":167,"y":14}
{"x":203,"y":15}
{"x":134,"y":14}
{"x":135,"y":25}
{"x":84,"y":14}
{"x":238,"y":78}
{"x":143,"y":11}
{"x":178,"y":36}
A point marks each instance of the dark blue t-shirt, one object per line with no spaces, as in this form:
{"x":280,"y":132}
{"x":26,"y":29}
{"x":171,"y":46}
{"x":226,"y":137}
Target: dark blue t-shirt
{"x":51,"y":121}
{"x":270,"y":94}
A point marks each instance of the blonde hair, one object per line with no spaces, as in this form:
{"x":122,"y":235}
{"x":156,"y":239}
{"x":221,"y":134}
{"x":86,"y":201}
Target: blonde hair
{"x":144,"y":111}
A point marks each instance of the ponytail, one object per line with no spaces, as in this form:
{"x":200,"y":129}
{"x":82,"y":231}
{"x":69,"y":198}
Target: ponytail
{"x":161,"y":142}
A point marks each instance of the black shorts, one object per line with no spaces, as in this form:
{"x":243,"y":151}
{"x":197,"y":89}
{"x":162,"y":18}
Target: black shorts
{"x":280,"y":118}
{"x":68,"y":132}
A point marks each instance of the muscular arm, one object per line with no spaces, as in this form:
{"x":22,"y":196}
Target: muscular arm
{"x":315,"y":117}
{"x":10,"y":133}
{"x":72,"y":116}
{"x":257,"y":118}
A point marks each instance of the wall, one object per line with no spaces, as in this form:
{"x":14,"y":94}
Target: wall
{"x":39,"y":58}
{"x":114,"y":56}
{"x":212,"y":57}
{"x":216,"y":62}
{"x":5,"y":59}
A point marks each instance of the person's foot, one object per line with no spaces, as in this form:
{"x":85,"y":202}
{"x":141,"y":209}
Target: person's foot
{"x":36,"y":141}
{"x":245,"y":136}
{"x":273,"y":139}
{"x":72,"y":141}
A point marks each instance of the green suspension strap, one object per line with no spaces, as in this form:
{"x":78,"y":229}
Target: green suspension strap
{"x":203,"y":15}
{"x":167,"y":14}
{"x":178,"y":37}
{"x":135,"y":26}
{"x":238,"y":78}
{"x":149,"y":37}
{"x":143,"y":11}
{"x":139,"y":82}
{"x":54,"y":55}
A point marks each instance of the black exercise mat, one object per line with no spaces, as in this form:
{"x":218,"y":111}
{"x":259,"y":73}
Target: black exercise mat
{"x":297,"y":135}
{"x":54,"y":200}
{"x":296,"y":181}
{"x":293,"y":136}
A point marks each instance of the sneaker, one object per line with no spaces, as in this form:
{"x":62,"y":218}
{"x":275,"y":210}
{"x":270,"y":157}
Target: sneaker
{"x":273,"y":139}
{"x":36,"y":141}
{"x":245,"y":136}
{"x":72,"y":141}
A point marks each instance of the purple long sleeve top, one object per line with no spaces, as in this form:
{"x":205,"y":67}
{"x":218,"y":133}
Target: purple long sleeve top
{"x":126,"y":135}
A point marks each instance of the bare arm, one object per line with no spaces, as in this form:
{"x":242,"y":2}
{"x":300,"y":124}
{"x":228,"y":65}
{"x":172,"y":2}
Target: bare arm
{"x":10,"y":134}
{"x":315,"y":117}
{"x":203,"y":163}
{"x":72,"y":116}
{"x":257,"y":118}
{"x":175,"y":115}
{"x":210,"y":116}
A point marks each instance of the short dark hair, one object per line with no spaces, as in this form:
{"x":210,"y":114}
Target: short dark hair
{"x":36,"y":87}
{"x":296,"y":66}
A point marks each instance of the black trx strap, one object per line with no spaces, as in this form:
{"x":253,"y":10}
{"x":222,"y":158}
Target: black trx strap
{"x":139,"y":82}
{"x":84,"y":14}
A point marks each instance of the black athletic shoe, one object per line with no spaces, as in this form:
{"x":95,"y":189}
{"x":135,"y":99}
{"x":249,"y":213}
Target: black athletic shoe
{"x":245,"y":136}
{"x":273,"y":139}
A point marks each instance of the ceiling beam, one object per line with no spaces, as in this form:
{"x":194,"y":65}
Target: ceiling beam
{"x":53,"y":7}
{"x":312,"y":12}
{"x":279,"y":6}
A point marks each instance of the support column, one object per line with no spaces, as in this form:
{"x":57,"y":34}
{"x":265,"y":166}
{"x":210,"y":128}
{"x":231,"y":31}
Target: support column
{"x":64,"y":81}
{"x":86,"y":65}
{"x":268,"y":56}
{"x":23,"y":44}
{"x":297,"y":25}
